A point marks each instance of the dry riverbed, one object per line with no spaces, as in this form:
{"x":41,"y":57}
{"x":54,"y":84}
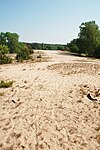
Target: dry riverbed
{"x":47,"y":106}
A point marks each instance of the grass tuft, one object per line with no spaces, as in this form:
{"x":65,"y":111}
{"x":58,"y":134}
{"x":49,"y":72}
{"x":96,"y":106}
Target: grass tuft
{"x":2,"y":94}
{"x":4,"y":84}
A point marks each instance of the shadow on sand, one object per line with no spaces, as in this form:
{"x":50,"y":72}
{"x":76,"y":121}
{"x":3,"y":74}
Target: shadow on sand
{"x":71,"y":54}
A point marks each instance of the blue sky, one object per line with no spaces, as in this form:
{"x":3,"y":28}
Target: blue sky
{"x":47,"y":21}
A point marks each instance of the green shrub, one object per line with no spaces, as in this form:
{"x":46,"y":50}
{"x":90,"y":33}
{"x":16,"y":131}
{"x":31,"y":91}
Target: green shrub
{"x":4,"y":49}
{"x":74,"y":48}
{"x":4,"y":84}
{"x":97,"y":52}
{"x":24,"y":53}
{"x":4,"y":59}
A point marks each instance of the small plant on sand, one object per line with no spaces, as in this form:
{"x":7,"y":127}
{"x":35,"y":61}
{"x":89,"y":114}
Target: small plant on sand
{"x":97,"y":128}
{"x":1,"y":93}
{"x":4,"y":84}
{"x":83,"y":90}
{"x":79,"y":101}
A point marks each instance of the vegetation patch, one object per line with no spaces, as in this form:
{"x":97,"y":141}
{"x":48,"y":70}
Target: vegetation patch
{"x":98,"y":128}
{"x":88,"y":41}
{"x":4,"y":59}
{"x":6,"y":84}
{"x":9,"y":44}
{"x":1,"y":93}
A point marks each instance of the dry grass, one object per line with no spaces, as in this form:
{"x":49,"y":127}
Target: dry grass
{"x":1,"y":93}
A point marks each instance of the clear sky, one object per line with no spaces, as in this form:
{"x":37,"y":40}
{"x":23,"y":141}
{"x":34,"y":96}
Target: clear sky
{"x":47,"y":21}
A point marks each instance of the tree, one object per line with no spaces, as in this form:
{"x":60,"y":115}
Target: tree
{"x":74,"y":46}
{"x":97,"y":52}
{"x":89,"y":37}
{"x":3,"y":39}
{"x":12,"y":41}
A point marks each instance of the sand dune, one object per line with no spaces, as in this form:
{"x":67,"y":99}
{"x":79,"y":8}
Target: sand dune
{"x":47,"y":107}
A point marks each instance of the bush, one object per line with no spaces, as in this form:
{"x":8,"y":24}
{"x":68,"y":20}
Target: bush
{"x":4,"y":59}
{"x":4,"y":84}
{"x":74,"y":48}
{"x":24,"y":53}
{"x":97,"y":52}
{"x":4,"y":49}
{"x":60,"y":48}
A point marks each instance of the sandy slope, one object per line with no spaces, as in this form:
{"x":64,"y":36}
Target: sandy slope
{"x":51,"y":109}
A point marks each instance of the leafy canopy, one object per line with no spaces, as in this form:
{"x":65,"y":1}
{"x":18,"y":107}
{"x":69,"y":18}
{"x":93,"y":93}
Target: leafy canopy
{"x":11,"y":40}
{"x":88,"y":41}
{"x":90,"y":37}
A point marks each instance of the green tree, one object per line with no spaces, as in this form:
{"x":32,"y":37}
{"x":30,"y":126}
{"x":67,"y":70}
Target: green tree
{"x":97,"y":52}
{"x":74,"y":46}
{"x":3,"y":39}
{"x":12,"y":41}
{"x":89,"y":37}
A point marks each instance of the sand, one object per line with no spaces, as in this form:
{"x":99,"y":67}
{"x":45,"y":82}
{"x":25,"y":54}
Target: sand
{"x":47,"y":107}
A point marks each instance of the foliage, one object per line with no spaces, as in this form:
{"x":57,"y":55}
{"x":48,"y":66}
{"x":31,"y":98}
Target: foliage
{"x":3,"y":39}
{"x":96,"y":53}
{"x":73,"y":46}
{"x":11,"y":40}
{"x":4,"y":84}
{"x":4,"y":49}
{"x":24,"y":52}
{"x":60,"y":47}
{"x":88,"y":41}
{"x":89,"y":36}
{"x":4,"y":59}
{"x":9,"y":44}
{"x":43,"y":46}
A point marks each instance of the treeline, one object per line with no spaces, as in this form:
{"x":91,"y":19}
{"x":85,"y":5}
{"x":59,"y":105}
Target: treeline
{"x":88,"y":41}
{"x":43,"y":46}
{"x":9,"y":43}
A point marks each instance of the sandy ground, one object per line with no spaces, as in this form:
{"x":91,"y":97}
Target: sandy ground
{"x":47,"y":106}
